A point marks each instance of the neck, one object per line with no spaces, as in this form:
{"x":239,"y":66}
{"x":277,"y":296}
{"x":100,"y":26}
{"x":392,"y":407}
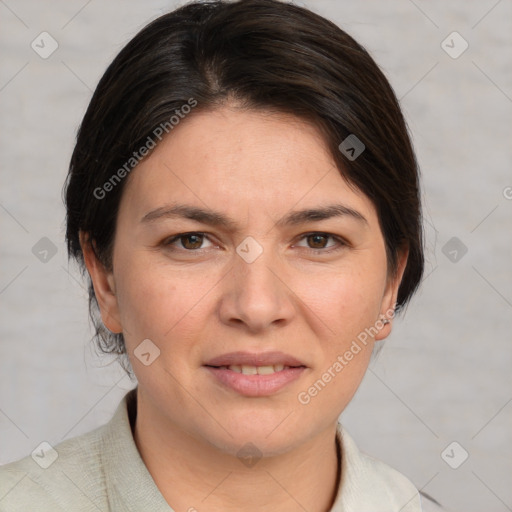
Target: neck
{"x":193,"y":475}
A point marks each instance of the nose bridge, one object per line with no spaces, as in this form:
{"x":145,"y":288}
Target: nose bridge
{"x":256,"y":267}
{"x":258,"y":295}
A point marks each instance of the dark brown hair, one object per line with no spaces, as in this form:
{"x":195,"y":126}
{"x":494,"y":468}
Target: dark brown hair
{"x":265,"y":54}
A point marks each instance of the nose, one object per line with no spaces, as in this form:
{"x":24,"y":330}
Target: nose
{"x":257,"y":296}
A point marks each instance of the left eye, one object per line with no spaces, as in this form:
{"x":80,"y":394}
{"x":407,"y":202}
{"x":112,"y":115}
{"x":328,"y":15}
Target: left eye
{"x":320,"y":240}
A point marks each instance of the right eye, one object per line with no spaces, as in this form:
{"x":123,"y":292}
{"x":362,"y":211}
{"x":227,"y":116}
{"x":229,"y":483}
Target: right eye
{"x":188,"y":241}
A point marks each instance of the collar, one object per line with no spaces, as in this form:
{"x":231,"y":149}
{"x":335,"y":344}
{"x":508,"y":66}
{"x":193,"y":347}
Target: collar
{"x":130,"y":484}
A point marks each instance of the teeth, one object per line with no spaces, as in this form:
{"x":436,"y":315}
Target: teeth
{"x":249,"y":370}
{"x":256,"y":370}
{"x":265,"y":370}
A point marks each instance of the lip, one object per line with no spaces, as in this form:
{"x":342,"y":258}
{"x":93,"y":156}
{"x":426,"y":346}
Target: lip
{"x":254,"y":359}
{"x":255,"y":385}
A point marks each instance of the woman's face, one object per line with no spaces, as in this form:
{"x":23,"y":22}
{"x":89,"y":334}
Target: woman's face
{"x":282,"y":264}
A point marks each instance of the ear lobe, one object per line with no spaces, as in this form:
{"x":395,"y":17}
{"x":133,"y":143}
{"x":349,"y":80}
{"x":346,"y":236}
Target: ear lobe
{"x":389,"y":299}
{"x":104,"y":285}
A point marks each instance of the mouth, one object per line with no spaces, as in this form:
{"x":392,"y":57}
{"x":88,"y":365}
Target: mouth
{"x":252,"y":359}
{"x":255,"y":370}
{"x":255,"y":375}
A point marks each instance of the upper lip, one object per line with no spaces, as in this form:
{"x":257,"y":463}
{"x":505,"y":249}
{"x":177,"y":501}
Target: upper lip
{"x":252,"y":359}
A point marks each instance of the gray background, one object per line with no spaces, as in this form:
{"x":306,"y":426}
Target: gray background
{"x":443,"y":376}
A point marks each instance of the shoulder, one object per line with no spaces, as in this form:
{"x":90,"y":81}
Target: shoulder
{"x":68,"y":476}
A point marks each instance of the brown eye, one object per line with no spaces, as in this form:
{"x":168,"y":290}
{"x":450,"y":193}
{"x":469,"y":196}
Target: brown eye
{"x":188,"y":242}
{"x":317,"y":241}
{"x":321,"y":243}
{"x":191,"y":241}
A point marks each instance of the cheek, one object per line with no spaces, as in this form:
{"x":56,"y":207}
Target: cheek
{"x":346,"y":305}
{"x":156,"y":303}
{"x":346,"y":302}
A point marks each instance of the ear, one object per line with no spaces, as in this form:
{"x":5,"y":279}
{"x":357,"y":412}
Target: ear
{"x":389,"y":299}
{"x":104,"y":285}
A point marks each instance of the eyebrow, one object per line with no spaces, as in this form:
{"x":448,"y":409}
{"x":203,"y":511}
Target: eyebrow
{"x":217,"y":219}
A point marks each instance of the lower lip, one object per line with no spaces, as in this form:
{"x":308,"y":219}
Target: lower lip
{"x":256,"y":385}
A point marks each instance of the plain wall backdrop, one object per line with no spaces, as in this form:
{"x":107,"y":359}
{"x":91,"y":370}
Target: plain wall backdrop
{"x":444,"y":375}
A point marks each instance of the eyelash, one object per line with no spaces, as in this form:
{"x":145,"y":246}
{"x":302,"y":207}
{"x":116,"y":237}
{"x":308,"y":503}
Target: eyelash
{"x":341,"y":243}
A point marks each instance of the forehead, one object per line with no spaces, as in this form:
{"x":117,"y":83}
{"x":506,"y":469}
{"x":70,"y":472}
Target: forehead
{"x":242,"y":161}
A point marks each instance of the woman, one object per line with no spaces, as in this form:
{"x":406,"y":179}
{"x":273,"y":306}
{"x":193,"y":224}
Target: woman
{"x":245,"y":199}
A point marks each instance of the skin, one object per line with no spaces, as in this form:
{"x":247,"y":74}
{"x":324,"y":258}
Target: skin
{"x":197,"y":298}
